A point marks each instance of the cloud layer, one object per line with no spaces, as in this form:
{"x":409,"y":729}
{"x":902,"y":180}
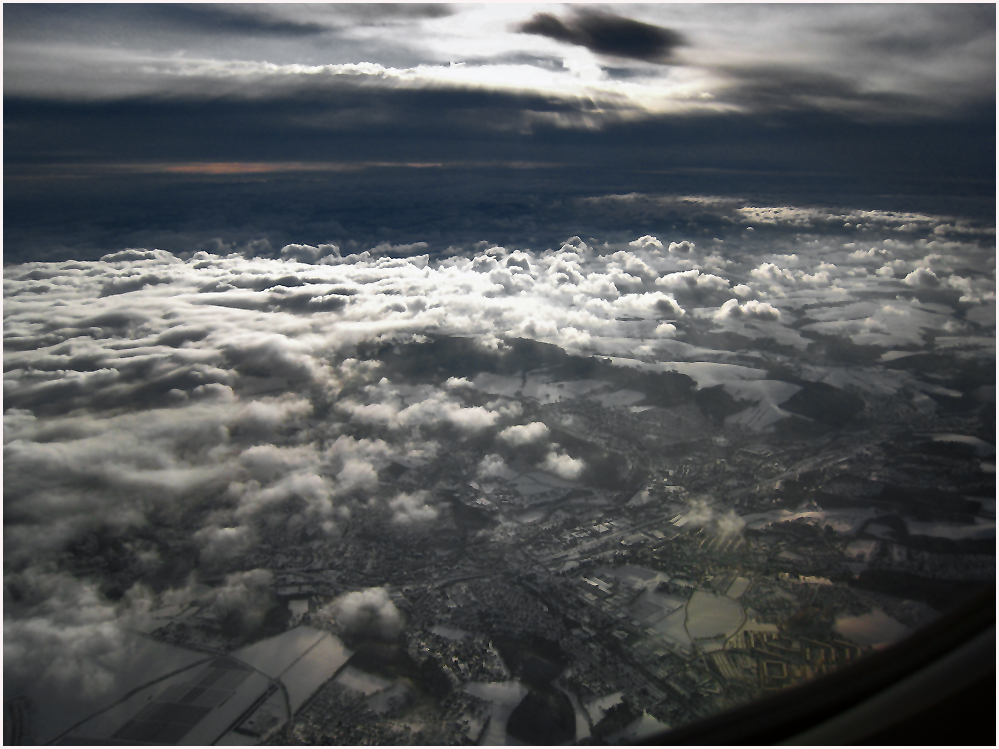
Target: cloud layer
{"x":168,"y":414}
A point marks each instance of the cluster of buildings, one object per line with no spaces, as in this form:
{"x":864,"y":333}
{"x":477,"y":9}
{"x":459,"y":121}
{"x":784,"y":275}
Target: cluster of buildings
{"x":783,"y":537}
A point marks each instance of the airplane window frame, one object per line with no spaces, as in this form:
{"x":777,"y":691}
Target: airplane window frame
{"x":882,"y":692}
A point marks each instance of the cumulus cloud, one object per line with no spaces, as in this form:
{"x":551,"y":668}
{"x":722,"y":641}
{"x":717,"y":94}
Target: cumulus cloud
{"x":563,"y":465}
{"x":227,"y":399}
{"x":385,"y":248}
{"x":573,"y":338}
{"x":305,"y":253}
{"x":493,"y":466}
{"x":923,"y":278}
{"x":62,"y":635}
{"x":695,"y":287}
{"x":652,"y":304}
{"x":272,"y":356}
{"x":646,"y":242}
{"x":873,"y":254}
{"x":366,"y":613}
{"x":298,"y":501}
{"x":692,"y":280}
{"x":525,"y":434}
{"x":751,"y":310}
{"x":222,"y":544}
{"x":389,"y":409}
{"x":773,"y":273}
{"x":245,"y":596}
{"x":264,"y":417}
{"x":729,"y":524}
{"x":356,"y":462}
{"x":412,"y":508}
{"x":700,"y":514}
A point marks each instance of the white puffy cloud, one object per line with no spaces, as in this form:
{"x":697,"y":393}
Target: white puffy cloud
{"x":273,"y":356}
{"x":307,"y":253}
{"x":563,"y":465}
{"x":264,"y":417}
{"x":973,"y":291}
{"x":518,"y":262}
{"x":430,"y":407}
{"x":63,"y":636}
{"x":699,"y":513}
{"x":231,"y":398}
{"x":268,"y":462}
{"x":409,"y":508}
{"x":356,"y":461}
{"x":298,"y":501}
{"x":692,"y":280}
{"x":573,"y":338}
{"x":72,"y":474}
{"x":246,"y":595}
{"x":650,"y":304}
{"x":632,"y":264}
{"x":492,"y":466}
{"x":525,"y":434}
{"x":873,"y":254}
{"x":648,"y":241}
{"x":368,"y":612}
{"x":385,"y":248}
{"x":222,"y":544}
{"x":751,"y":310}
{"x":923,"y":278}
{"x":773,"y":274}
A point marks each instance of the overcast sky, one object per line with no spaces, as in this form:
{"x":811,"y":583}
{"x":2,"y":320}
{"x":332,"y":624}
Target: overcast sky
{"x":475,"y":113}
{"x":371,"y":82}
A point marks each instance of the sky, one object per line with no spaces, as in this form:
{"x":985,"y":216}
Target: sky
{"x":117,"y":117}
{"x":218,"y":220}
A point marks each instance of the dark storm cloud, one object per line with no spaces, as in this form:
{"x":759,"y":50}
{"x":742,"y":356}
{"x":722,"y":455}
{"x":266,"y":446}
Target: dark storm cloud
{"x":232,"y":19}
{"x":607,"y":34}
{"x":781,"y":121}
{"x":373,"y":12}
{"x":392,"y":124}
{"x":773,"y":89}
{"x":948,"y":28}
{"x":447,"y":126}
{"x":44,"y":20}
